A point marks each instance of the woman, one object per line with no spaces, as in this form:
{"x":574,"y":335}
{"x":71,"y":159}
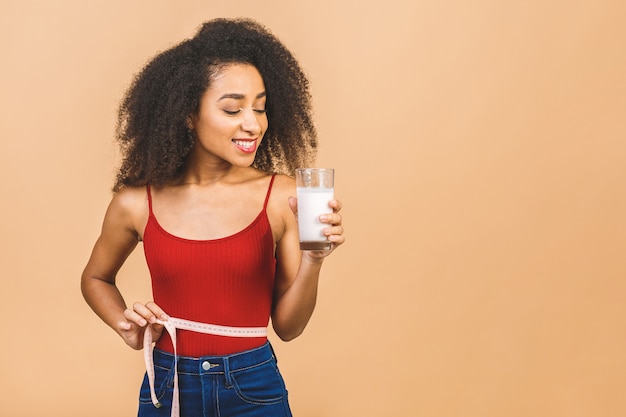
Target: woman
{"x":208,"y":130}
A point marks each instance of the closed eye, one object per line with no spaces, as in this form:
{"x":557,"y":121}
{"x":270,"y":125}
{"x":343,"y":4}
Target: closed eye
{"x":236,"y":112}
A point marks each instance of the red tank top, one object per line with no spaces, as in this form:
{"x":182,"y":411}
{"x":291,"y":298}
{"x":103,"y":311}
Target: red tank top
{"x":227,"y":281}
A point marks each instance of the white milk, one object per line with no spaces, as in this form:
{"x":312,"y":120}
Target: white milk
{"x":313,"y":202}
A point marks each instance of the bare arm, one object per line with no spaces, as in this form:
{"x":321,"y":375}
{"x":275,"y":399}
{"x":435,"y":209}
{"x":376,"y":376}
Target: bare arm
{"x":118,"y":238}
{"x":297,"y":273}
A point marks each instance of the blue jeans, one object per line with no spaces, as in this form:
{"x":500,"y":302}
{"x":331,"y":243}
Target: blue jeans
{"x":243,"y":384}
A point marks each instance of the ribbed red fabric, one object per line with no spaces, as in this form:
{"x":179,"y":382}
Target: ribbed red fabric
{"x":227,"y":281}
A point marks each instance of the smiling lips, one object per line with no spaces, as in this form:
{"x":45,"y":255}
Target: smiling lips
{"x":245,"y":145}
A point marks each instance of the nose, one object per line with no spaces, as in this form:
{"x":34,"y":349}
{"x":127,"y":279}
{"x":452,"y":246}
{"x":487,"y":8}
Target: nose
{"x":250,"y":122}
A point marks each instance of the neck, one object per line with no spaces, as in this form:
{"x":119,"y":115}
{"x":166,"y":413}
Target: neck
{"x":200,"y":169}
{"x":210,"y":173}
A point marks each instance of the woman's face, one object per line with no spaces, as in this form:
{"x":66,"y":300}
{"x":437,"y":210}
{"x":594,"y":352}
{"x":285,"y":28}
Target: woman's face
{"x":231,"y":121}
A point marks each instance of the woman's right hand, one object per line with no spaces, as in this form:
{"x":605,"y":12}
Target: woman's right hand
{"x":132,"y":330}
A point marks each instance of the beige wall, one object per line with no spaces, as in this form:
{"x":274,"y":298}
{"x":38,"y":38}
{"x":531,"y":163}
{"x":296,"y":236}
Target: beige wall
{"x":480,"y":149}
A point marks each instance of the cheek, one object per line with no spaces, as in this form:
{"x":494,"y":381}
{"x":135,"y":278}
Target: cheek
{"x":216,"y":125}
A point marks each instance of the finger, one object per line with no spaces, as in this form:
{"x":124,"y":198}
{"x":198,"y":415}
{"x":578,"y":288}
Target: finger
{"x":124,"y":325}
{"x":336,"y":205}
{"x":156,"y":310}
{"x":293,"y":205}
{"x":145,"y":313}
{"x":333,"y":231}
{"x":331,"y":218}
{"x":337,"y":239}
{"x":335,"y":236}
{"x":134,"y":318}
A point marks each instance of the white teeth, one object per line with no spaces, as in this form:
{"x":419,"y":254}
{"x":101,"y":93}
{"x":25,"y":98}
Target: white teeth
{"x":244,"y":143}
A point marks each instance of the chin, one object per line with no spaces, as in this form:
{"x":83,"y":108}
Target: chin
{"x":243,"y":163}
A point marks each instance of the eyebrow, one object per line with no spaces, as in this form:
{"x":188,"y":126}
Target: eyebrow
{"x":238,"y":96}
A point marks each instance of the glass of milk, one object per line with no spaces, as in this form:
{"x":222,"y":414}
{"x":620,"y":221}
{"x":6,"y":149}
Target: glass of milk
{"x":315,"y":188}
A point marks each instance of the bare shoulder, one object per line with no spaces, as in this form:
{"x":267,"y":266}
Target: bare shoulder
{"x":129,"y":208}
{"x":131,"y":199}
{"x":284,"y":186}
{"x":279,"y":212}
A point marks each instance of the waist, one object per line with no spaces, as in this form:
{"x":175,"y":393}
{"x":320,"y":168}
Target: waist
{"x":199,"y":339}
{"x":241,"y":359}
{"x":215,"y":364}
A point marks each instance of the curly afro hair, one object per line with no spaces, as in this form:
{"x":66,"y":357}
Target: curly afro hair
{"x":152,"y":125}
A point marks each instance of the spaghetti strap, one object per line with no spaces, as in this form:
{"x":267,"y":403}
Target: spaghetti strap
{"x":149,"y":199}
{"x":269,"y":190}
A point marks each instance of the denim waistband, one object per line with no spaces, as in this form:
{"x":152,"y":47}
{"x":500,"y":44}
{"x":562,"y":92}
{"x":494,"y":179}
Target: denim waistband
{"x":215,"y":364}
{"x":170,"y":326}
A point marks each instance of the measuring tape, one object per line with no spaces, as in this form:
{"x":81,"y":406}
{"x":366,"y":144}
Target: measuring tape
{"x":171,"y":325}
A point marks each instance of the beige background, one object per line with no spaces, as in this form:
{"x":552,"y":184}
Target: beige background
{"x":480,"y":149}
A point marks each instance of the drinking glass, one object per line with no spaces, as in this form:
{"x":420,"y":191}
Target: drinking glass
{"x":315,"y":188}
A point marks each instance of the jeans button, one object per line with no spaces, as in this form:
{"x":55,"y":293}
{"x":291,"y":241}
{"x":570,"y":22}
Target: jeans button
{"x":206,"y":365}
